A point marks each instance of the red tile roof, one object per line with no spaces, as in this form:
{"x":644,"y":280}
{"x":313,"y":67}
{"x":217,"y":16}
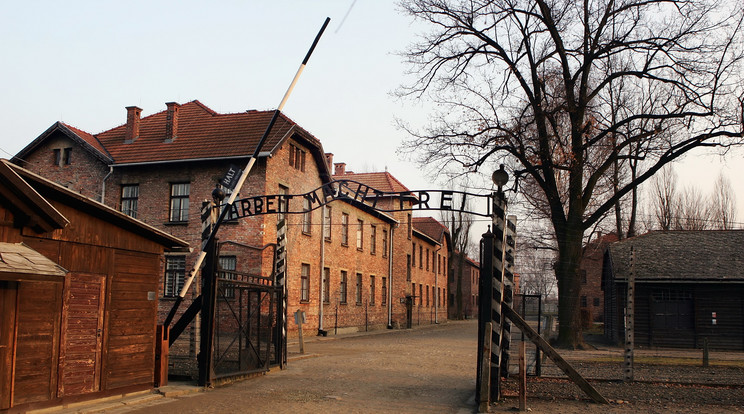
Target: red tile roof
{"x":383,"y":181}
{"x":202,"y":133}
{"x":88,"y":138}
{"x":430,"y":227}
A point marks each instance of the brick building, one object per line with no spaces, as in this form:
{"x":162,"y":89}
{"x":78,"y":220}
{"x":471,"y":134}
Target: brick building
{"x":420,"y":251}
{"x":346,"y":262}
{"x":467,"y":272}
{"x":592,"y":296}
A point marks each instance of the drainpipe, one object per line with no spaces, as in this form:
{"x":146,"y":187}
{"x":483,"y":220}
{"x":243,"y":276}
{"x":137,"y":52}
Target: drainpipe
{"x":103,"y":185}
{"x":322,"y":270}
{"x":390,"y":277}
{"x":436,"y":287}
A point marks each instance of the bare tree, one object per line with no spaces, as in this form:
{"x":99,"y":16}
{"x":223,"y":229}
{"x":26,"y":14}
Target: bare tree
{"x":535,"y":269}
{"x":527,"y":82}
{"x":459,"y":225}
{"x":692,"y":212}
{"x":690,"y":209}
{"x":723,"y":204}
{"x":664,"y":198}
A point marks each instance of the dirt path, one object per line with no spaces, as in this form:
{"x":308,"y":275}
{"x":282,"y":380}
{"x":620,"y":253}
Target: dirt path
{"x":428,"y":370}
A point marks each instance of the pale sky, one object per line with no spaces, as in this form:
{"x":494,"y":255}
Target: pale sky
{"x":83,"y":62}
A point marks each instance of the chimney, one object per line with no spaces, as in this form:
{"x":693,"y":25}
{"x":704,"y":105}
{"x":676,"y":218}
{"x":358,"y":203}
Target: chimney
{"x":171,"y":121}
{"x":339,"y":168}
{"x":329,"y":160}
{"x":133,"y":124}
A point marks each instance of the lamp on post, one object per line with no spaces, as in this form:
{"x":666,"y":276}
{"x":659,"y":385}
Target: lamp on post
{"x":500,"y":177}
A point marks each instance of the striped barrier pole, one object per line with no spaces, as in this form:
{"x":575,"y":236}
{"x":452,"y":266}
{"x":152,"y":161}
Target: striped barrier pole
{"x":508,"y":280}
{"x":497,"y":295}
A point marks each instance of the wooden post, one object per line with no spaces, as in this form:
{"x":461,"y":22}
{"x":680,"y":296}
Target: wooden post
{"x":553,"y":355}
{"x":484,"y":402}
{"x":705,"y":353}
{"x":161,"y":356}
{"x":629,"y":338}
{"x":299,"y":320}
{"x":522,"y":377}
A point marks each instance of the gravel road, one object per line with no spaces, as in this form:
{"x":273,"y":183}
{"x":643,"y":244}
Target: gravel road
{"x":432,"y":370}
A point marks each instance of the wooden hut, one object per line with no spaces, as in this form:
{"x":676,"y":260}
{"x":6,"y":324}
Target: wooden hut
{"x":689,"y":287}
{"x":78,"y":295}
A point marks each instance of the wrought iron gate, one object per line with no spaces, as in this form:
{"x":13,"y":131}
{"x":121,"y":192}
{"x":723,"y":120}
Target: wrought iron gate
{"x":245,"y":337}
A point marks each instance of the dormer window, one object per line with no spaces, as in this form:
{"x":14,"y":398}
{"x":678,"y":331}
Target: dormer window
{"x":296,"y":157}
{"x":62,"y":156}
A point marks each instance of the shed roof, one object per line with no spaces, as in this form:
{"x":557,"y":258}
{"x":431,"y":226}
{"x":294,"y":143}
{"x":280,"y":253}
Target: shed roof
{"x":684,"y":256}
{"x":20,"y":262}
{"x":29,"y":208}
{"x":48,"y":189}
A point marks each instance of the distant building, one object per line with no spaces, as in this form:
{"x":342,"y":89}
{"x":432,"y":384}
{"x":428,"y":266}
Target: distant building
{"x":689,"y":287}
{"x":465,"y":273}
{"x":592,"y":296}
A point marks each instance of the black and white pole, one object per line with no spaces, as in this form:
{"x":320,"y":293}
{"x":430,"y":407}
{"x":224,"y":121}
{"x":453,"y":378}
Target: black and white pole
{"x":508,"y":280}
{"x":500,"y":178}
{"x":244,"y":174}
{"x":497,"y":295}
{"x":280,"y":280}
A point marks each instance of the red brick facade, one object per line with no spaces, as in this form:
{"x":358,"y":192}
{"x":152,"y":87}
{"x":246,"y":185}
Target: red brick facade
{"x":190,"y":144}
{"x":469,"y":278}
{"x":592,"y":296}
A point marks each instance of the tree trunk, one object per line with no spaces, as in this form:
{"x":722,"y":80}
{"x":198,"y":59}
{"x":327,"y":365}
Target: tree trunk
{"x":569,"y":289}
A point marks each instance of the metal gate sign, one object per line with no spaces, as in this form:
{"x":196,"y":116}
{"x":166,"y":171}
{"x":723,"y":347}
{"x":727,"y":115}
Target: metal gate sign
{"x":358,"y":193}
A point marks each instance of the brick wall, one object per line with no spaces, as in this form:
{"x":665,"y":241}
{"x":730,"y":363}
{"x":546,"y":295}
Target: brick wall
{"x":592,"y":297}
{"x":469,"y":286}
{"x":84,"y":173}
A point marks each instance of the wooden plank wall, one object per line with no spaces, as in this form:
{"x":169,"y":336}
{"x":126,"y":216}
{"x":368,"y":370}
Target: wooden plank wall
{"x":8,"y":298}
{"x":129,"y":351}
{"x":725,"y":299}
{"x":8,"y":233}
{"x":37,"y":341}
{"x":82,"y":319}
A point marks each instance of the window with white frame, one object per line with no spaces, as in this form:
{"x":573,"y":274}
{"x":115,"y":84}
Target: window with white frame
{"x":358,"y":288}
{"x":360,"y":234}
{"x":228,"y":265}
{"x":326,"y":285}
{"x":384,"y":291}
{"x":327,"y":223}
{"x":342,"y":291}
{"x":175,"y":274}
{"x":179,"y":202}
{"x":305,"y":283}
{"x":344,"y":229}
{"x":129,"y":198}
{"x":307,"y":216}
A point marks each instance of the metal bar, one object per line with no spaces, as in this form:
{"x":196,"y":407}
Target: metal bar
{"x":185,"y":320}
{"x":553,"y":355}
{"x":241,"y":180}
